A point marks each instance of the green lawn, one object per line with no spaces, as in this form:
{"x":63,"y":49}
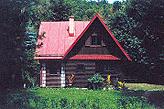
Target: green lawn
{"x":52,"y":98}
{"x":144,"y":86}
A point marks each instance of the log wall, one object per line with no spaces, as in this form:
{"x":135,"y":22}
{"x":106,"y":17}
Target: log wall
{"x":81,"y":77}
{"x":53,"y":80}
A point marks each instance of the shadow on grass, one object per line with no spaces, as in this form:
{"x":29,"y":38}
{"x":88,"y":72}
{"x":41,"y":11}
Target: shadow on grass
{"x":26,"y":99}
{"x":17,"y":99}
{"x":155,"y":98}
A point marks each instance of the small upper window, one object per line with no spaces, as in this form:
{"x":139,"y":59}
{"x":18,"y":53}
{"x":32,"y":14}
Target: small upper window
{"x":95,"y":39}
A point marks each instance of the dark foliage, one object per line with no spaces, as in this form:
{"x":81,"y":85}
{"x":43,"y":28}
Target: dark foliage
{"x":11,"y":33}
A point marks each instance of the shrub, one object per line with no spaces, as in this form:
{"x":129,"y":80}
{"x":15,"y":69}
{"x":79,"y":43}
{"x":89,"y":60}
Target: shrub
{"x":96,"y":81}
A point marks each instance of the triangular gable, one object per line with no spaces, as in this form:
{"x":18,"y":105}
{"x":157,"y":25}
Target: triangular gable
{"x":106,"y":28}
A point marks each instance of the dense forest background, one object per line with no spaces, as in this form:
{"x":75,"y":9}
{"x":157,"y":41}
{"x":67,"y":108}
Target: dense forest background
{"x":137,"y":24}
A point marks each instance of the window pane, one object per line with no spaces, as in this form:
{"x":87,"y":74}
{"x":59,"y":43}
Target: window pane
{"x":53,"y":67}
{"x":96,"y":40}
{"x":93,"y":40}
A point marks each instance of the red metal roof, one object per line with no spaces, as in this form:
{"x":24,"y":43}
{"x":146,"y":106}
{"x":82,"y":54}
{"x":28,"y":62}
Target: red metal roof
{"x":57,"y":39}
{"x":94,"y":57}
{"x":57,"y":42}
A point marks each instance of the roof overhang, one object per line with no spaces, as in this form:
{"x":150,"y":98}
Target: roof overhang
{"x":48,"y":58}
{"x":95,"y":57}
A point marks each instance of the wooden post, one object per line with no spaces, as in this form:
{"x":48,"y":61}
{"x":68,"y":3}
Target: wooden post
{"x":43,"y":75}
{"x":62,"y":75}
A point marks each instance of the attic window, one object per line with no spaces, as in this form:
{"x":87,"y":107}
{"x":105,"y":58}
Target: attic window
{"x":95,"y":39}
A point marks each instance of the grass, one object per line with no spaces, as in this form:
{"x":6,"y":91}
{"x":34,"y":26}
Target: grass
{"x":144,"y":86}
{"x":52,"y":98}
{"x":153,"y":93}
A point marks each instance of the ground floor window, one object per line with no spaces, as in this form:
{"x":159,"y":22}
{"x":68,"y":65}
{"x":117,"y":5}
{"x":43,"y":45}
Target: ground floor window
{"x":53,"y":67}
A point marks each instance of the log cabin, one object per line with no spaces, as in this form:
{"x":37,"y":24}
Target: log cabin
{"x":78,"y":48}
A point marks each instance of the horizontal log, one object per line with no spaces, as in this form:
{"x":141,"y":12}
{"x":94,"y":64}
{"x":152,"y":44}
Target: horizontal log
{"x":70,"y":68}
{"x":52,"y":75}
{"x":50,"y":80}
{"x":90,"y":67}
{"x":81,"y":81}
{"x":75,"y":64}
{"x":53,"y":78}
{"x":76,"y":70}
{"x":53,"y":86}
{"x":75,"y":67}
{"x":80,"y":84}
{"x":80,"y":72}
{"x":53,"y":81}
{"x":81,"y":76}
